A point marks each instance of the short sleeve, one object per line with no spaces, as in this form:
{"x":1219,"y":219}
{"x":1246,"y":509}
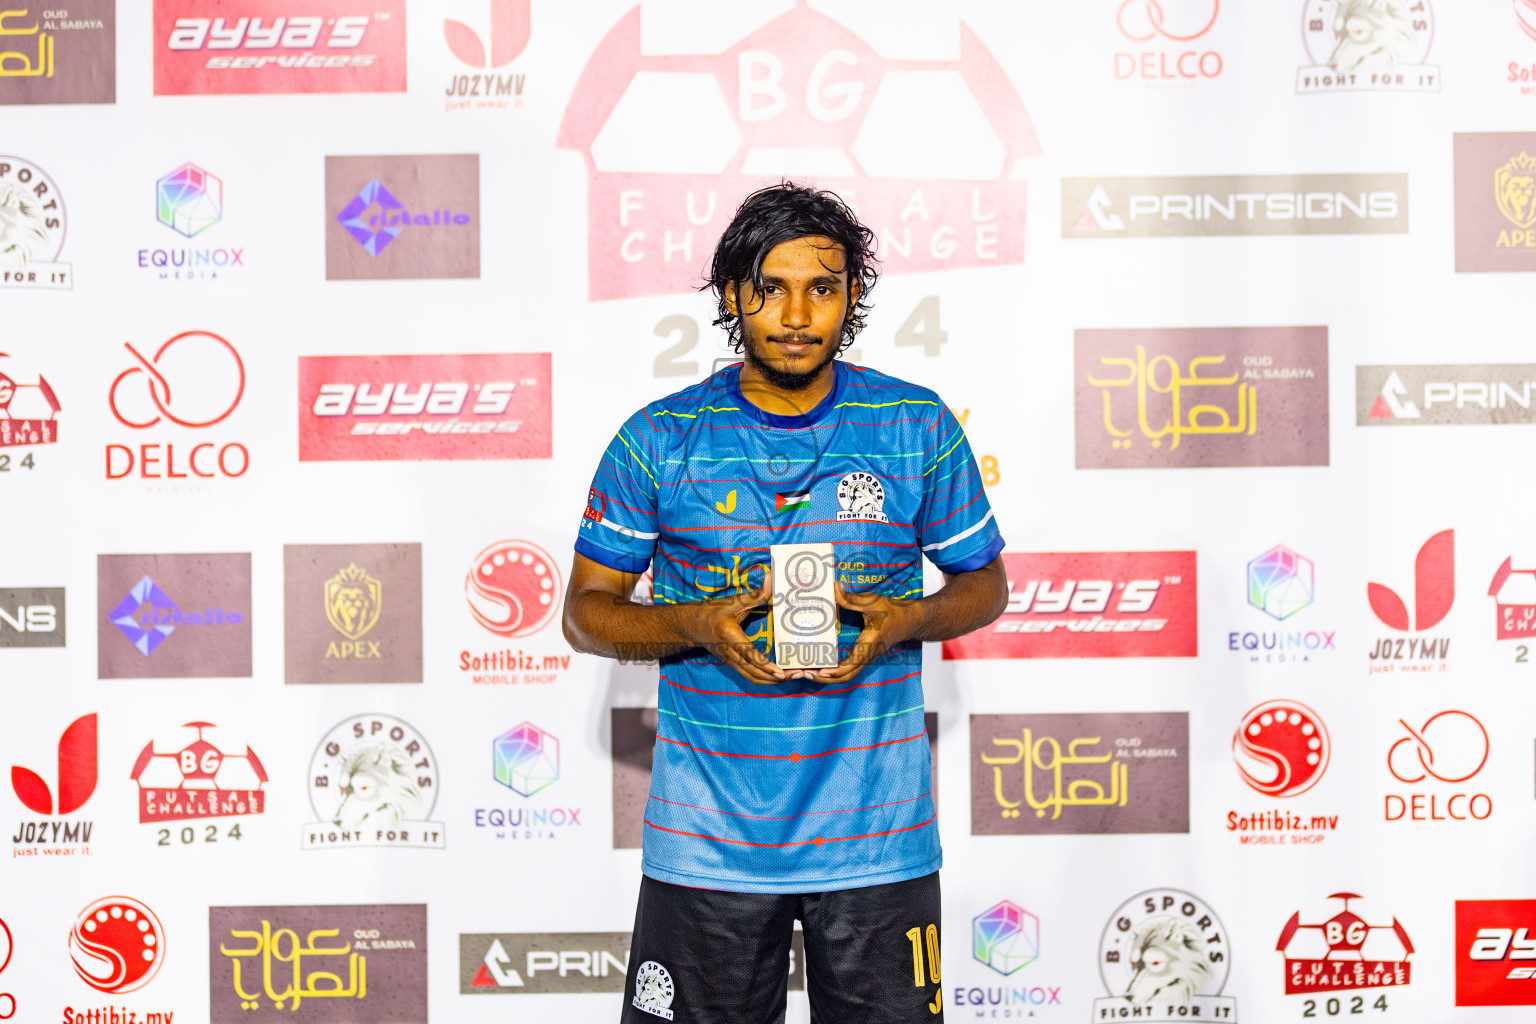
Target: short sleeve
{"x":618,"y":526}
{"x":955,"y":525}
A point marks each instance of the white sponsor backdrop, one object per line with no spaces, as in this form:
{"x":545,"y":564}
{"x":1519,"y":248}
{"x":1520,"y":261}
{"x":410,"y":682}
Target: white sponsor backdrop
{"x":1390,"y":298}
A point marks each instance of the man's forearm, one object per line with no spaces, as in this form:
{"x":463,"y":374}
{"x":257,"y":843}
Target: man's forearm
{"x":967,"y":601}
{"x":613,"y":627}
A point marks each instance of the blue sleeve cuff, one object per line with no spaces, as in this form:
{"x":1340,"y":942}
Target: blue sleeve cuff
{"x":623,"y":563}
{"x":973,"y":562}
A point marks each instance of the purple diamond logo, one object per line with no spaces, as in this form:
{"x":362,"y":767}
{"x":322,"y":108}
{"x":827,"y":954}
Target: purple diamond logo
{"x":373,"y":233}
{"x":143,"y":632}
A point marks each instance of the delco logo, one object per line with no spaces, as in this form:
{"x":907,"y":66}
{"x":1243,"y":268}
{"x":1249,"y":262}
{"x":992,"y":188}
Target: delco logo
{"x":1495,"y":953}
{"x":266,"y":46}
{"x":424,"y":407}
{"x":1091,"y":605}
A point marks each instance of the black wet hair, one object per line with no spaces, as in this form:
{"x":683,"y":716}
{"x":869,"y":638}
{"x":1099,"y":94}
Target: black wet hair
{"x":782,"y":213}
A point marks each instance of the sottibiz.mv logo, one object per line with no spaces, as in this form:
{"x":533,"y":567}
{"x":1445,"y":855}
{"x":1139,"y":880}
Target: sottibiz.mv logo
{"x":1091,"y":605}
{"x":417,"y":408}
{"x":1434,"y":590}
{"x":1496,"y":952}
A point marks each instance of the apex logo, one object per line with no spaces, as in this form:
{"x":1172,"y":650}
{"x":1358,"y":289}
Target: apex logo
{"x":509,"y":35}
{"x":77,"y":772}
{"x":1434,"y":588}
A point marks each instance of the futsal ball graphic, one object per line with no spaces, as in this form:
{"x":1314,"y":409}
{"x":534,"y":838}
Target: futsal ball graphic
{"x":117,"y":945}
{"x":513,"y":588}
{"x":1281,"y":748}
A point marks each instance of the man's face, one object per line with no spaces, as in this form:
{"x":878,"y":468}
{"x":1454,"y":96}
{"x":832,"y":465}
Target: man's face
{"x":791,"y":328}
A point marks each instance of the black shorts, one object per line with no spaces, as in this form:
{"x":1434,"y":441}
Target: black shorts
{"x":702,"y":956}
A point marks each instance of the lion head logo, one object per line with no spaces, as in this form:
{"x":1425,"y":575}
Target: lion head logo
{"x":1514,"y":189}
{"x":1167,"y":963}
{"x":377,"y":786}
{"x":353,"y":602}
{"x":1373,"y":35}
{"x":23,"y":230}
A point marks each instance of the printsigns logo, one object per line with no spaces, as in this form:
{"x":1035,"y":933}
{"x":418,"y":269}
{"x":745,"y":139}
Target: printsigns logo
{"x":402,"y":217}
{"x":1161,"y":398}
{"x":173,"y":616}
{"x":31,"y":616}
{"x":1281,"y":748}
{"x":1344,"y":953}
{"x":59,"y":56}
{"x":1368,"y":44}
{"x":1081,"y":773}
{"x":1434,"y":591}
{"x":1495,"y":201}
{"x":508,"y":31}
{"x":670,"y":139}
{"x":1164,"y":59}
{"x":1495,"y":952}
{"x":1514,"y":594}
{"x":1440,"y":395}
{"x":1235,"y":204}
{"x":1116,"y":604}
{"x":1166,"y":951}
{"x":352,"y":613}
{"x":513,"y":588}
{"x":29,"y":413}
{"x":373,"y":782}
{"x":363,"y":964}
{"x":1450,"y":747}
{"x":32,"y":227}
{"x":117,"y":945}
{"x":280,"y":46}
{"x":198,"y":780}
{"x":420,"y":408}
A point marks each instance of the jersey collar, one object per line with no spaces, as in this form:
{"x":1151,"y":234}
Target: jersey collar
{"x":822,"y":410}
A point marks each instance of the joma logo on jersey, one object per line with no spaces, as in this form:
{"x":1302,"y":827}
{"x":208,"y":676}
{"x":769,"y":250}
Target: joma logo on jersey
{"x":429,"y":399}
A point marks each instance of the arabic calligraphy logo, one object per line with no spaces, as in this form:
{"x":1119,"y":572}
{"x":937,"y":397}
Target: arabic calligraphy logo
{"x":513,"y":588}
{"x":198,"y":781}
{"x":861,"y":497}
{"x":190,"y":356}
{"x":189,"y":200}
{"x":268,"y":947}
{"x":1459,"y":739}
{"x":1143,"y":374}
{"x":1514,"y":189}
{"x":137,"y":613}
{"x":117,"y":945}
{"x":353,"y":602}
{"x":1005,"y":937}
{"x":26,"y":69}
{"x":1029,"y":750}
{"x":378,"y":231}
{"x":526,"y":759}
{"x":1146,"y":22}
{"x":1280,"y":582}
{"x":1281,"y":748}
{"x":510,"y":28}
{"x":77,"y":772}
{"x":1345,"y":966}
{"x":1434,"y":588}
{"x":32,"y":219}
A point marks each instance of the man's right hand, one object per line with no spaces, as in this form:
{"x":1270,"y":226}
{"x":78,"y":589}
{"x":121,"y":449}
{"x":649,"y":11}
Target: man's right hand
{"x":715,"y":625}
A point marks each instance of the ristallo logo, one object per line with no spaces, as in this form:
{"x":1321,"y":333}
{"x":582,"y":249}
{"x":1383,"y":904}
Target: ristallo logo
{"x":1449,"y":748}
{"x":1345,"y":953}
{"x":1496,"y":952}
{"x":29,"y":413}
{"x":173,"y":616}
{"x":33,"y":223}
{"x":506,"y":31}
{"x":209,"y":380}
{"x":513,"y":589}
{"x":193,"y":779}
{"x":1120,"y":604}
{"x":54,"y":55}
{"x":31,"y":617}
{"x":420,"y":408}
{"x":75,"y":782}
{"x":279,"y":46}
{"x":1173,"y":41}
{"x":1367,"y":44}
{"x":928,"y":145}
{"x":1281,"y":749}
{"x":402,"y":217}
{"x":1434,"y":591}
{"x":1495,"y":201}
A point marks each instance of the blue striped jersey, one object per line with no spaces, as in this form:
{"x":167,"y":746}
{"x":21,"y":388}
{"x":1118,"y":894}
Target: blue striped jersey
{"x":800,"y":786}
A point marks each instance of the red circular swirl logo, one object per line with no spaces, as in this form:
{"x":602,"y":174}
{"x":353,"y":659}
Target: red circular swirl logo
{"x":1281,"y":748}
{"x":117,"y":945}
{"x":513,"y":588}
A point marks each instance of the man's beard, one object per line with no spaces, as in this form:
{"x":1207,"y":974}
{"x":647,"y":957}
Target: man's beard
{"x":787,"y":380}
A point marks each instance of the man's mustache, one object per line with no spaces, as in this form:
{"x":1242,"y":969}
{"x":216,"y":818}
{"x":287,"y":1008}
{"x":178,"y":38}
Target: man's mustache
{"x":796,"y":339}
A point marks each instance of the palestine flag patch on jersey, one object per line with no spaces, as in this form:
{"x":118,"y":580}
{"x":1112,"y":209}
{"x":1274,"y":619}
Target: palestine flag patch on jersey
{"x":783,"y":501}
